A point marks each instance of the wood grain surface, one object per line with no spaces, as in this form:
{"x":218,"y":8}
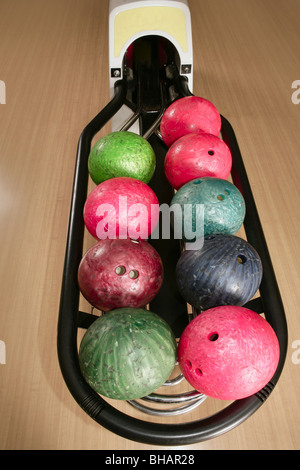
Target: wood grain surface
{"x":54,"y":63}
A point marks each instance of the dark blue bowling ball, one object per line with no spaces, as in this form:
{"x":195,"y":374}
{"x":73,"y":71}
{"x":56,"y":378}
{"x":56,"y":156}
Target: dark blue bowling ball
{"x":227,"y":270}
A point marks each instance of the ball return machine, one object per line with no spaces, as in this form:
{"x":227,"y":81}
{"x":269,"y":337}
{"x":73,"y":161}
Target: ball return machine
{"x":150,"y":66}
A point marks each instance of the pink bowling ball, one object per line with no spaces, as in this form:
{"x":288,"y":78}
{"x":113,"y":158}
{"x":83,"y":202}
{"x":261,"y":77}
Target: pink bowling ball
{"x":228,"y":352}
{"x":189,"y":115}
{"x":196,"y":156}
{"x":120,"y":273}
{"x":121,"y":207}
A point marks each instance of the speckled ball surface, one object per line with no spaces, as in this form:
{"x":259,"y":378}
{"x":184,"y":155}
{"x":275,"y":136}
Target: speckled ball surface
{"x":120,"y":273}
{"x":228,"y":352}
{"x":121,"y":207}
{"x":121,"y":153}
{"x":188,"y":115}
{"x":227,"y":270}
{"x":127,"y":353}
{"x":195,"y":156}
{"x":224,"y":206}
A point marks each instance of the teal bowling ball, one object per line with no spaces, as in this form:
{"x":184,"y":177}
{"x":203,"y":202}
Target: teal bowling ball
{"x":214,"y":202}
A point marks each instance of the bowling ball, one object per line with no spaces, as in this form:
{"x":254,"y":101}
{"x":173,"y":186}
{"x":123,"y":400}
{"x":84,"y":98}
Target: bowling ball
{"x":227,"y":270}
{"x":228,"y":352}
{"x":127,"y":353}
{"x":121,"y":154}
{"x":197,"y":155}
{"x":189,"y":115}
{"x":223,"y":204}
{"x":121,"y":207}
{"x":120,"y":273}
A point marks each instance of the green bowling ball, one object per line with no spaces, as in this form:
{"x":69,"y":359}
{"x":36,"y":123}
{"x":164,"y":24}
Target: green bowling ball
{"x":222,"y":207}
{"x":121,"y":153}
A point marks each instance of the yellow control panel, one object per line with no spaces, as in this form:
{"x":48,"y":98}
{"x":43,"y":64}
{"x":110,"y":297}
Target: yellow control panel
{"x":163,"y":20}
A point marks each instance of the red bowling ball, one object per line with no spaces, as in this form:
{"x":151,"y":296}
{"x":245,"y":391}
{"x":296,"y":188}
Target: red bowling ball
{"x":228,"y":352}
{"x":121,"y":207}
{"x":120,"y":273}
{"x":189,"y":115}
{"x":195,"y":156}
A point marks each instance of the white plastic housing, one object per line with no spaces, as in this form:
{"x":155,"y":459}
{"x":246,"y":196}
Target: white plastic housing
{"x":130,"y":20}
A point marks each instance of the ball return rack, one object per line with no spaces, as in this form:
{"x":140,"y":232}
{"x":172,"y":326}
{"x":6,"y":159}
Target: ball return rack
{"x":148,"y":79}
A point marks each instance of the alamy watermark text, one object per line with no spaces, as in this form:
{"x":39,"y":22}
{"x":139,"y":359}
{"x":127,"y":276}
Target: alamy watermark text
{"x":2,"y":92}
{"x":187,"y":219}
{"x":296,"y":94}
{"x":2,"y":352}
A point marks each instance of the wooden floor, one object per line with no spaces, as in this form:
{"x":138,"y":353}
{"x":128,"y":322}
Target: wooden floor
{"x":54,"y":63}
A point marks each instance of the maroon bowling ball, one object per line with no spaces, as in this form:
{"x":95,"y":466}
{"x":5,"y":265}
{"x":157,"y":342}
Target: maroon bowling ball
{"x":228,"y":352}
{"x":195,"y":156}
{"x":188,"y":115}
{"x":120,"y":273}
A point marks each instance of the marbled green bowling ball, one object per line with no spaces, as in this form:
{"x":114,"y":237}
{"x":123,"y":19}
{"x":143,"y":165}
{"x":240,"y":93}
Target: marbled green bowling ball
{"x":121,"y":153}
{"x":223,"y":209}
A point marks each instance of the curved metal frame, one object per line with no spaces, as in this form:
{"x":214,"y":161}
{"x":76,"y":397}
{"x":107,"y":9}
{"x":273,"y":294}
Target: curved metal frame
{"x":70,"y":318}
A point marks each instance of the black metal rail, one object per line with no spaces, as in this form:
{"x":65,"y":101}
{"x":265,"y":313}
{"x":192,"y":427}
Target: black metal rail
{"x":168,"y":300}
